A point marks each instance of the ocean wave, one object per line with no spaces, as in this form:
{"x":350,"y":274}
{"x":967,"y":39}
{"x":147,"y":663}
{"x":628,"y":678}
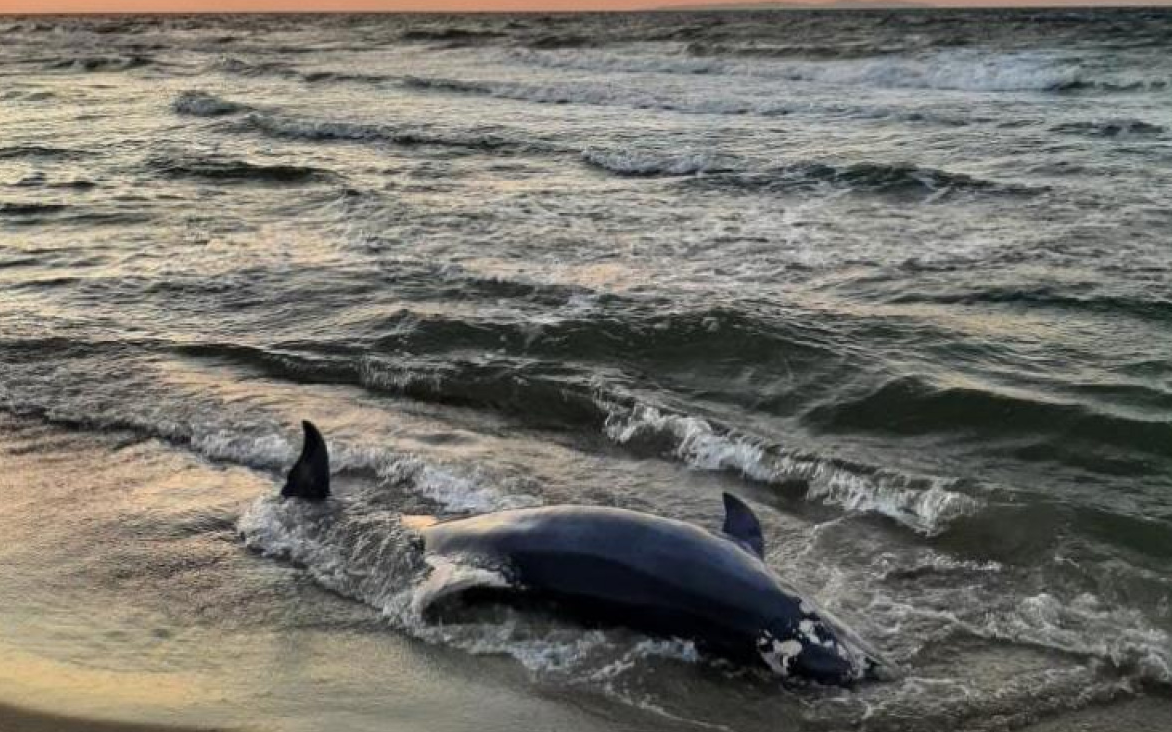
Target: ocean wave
{"x":232,"y":170}
{"x":1150,"y":306}
{"x":448,"y":35}
{"x":12,"y":208}
{"x":607,"y":95}
{"x":974,"y":71}
{"x":434,"y":487}
{"x":18,"y":95}
{"x":863,"y":177}
{"x":202,"y":104}
{"x":795,"y":50}
{"x":446,"y":489}
{"x":326,"y":76}
{"x":40,"y":180}
{"x":452,"y":85}
{"x":100,"y":63}
{"x":41,"y":151}
{"x":598,"y":94}
{"x":238,"y":66}
{"x":560,"y":40}
{"x":926,"y":505}
{"x":313,"y":129}
{"x":639,"y":164}
{"x":1109,"y":128}
{"x":1121,"y":85}
{"x":913,"y":405}
{"x":960,"y":71}
{"x":710,"y":169}
{"x":597,"y":60}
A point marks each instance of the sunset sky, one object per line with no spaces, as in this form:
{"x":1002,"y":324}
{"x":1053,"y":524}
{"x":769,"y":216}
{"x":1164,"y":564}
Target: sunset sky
{"x":103,"y":6}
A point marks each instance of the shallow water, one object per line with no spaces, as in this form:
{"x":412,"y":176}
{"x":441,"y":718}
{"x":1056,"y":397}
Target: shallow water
{"x":899,"y":279}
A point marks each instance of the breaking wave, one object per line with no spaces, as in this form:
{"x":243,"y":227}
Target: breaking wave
{"x":712,"y":169}
{"x":959,"y":70}
{"x":651,"y":165}
{"x":926,"y":505}
{"x":923,"y":504}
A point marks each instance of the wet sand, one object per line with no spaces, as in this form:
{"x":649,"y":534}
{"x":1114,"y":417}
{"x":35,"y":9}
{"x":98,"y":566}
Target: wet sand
{"x":17,"y":719}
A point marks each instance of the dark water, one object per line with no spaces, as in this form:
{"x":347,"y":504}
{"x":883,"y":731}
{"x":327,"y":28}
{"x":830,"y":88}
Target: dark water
{"x":901,"y":279}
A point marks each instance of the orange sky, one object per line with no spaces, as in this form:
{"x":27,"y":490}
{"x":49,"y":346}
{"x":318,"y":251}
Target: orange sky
{"x":132,"y":6}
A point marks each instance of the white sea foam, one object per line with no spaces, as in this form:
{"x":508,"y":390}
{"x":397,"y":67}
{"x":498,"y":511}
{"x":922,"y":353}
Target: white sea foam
{"x":459,"y":492}
{"x":925,"y":510}
{"x":635,"y":163}
{"x":925,"y":505}
{"x":1086,"y":626}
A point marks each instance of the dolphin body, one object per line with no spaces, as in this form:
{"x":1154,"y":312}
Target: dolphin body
{"x":657,"y":575}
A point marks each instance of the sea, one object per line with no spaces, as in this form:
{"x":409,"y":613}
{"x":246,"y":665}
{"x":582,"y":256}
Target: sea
{"x":901,"y":279}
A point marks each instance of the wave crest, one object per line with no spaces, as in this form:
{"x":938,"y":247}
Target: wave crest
{"x":640,"y":164}
{"x":926,"y":505}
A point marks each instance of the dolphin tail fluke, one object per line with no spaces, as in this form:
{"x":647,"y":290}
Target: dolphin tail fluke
{"x":309,"y":478}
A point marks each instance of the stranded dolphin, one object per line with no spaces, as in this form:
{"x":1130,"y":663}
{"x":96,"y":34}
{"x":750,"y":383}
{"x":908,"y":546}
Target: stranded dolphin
{"x":657,"y":575}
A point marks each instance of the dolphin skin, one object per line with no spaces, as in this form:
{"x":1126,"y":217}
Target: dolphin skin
{"x":657,"y":575}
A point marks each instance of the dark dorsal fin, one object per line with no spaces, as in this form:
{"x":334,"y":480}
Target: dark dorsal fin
{"x":741,"y":525}
{"x":309,"y":478}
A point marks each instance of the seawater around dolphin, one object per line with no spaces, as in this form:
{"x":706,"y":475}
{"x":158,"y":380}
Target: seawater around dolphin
{"x":898,"y":279}
{"x":601,"y":564}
